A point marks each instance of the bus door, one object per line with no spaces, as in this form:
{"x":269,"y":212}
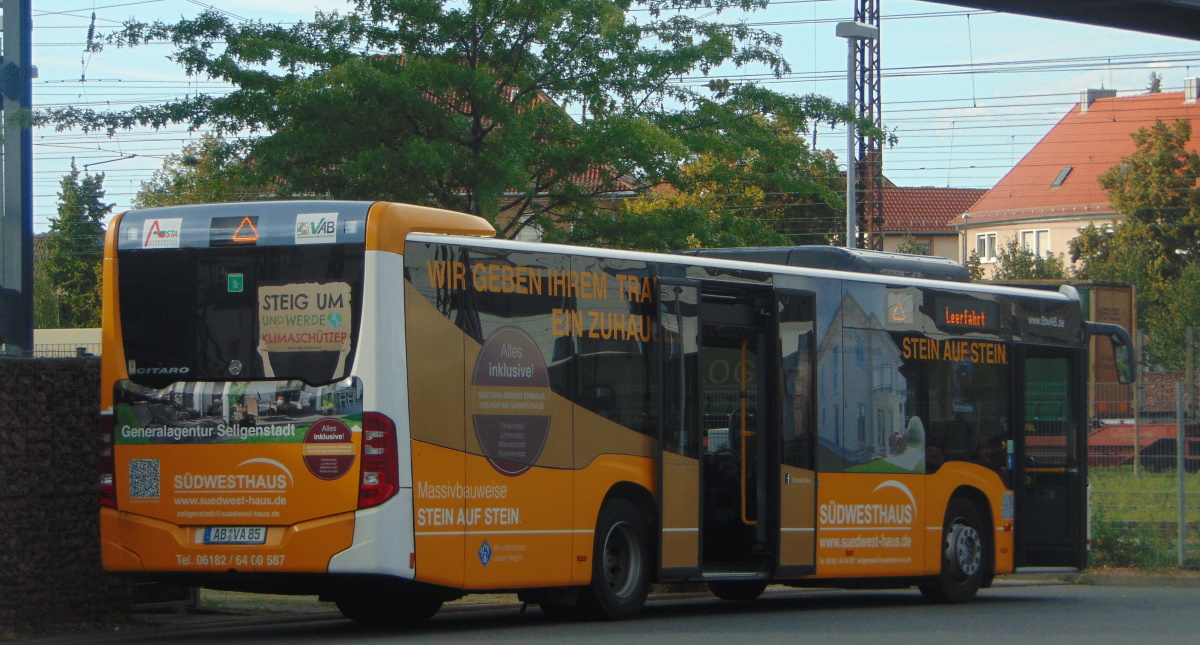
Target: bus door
{"x":1051,"y":459}
{"x":797,"y":440}
{"x":737,"y":443}
{"x":739,"y":498}
{"x":679,"y":440}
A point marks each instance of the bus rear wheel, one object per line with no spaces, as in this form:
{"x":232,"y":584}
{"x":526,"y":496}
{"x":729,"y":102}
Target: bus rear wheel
{"x":620,"y":563}
{"x":965,"y":561}
{"x":388,"y":607}
{"x":737,"y":589}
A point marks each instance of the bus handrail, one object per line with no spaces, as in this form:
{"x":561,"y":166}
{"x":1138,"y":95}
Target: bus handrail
{"x":744,"y":432}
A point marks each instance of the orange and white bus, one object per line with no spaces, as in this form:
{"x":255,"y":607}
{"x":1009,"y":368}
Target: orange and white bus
{"x":384,"y":405}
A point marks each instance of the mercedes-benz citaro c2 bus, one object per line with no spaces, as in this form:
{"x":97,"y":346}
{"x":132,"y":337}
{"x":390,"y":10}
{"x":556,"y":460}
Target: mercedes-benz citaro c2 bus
{"x":384,"y":405}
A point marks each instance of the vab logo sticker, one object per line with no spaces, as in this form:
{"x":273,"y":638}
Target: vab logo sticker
{"x":316,"y":228}
{"x":162,"y":233}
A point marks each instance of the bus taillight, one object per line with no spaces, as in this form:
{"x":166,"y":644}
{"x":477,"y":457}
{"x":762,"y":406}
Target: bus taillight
{"x":108,"y":465}
{"x":380,"y":472}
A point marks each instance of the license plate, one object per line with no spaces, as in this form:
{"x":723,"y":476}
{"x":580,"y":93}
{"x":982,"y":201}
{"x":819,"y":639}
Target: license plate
{"x":235,"y":535}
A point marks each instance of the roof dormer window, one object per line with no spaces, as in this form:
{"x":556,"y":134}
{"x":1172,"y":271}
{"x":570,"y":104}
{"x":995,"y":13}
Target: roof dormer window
{"x":1062,"y":176}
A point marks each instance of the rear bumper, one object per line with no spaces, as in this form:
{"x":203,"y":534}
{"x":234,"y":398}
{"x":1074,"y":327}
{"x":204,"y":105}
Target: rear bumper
{"x":132,"y":542}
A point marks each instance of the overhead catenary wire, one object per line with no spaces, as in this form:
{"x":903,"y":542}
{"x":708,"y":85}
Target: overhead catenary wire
{"x":922,"y":124}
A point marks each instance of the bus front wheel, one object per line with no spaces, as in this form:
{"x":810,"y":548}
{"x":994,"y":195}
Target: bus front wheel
{"x":620,"y":563}
{"x":965,"y":561}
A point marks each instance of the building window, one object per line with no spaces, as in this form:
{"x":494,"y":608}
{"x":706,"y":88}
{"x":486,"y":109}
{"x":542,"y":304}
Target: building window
{"x":529,"y":233}
{"x":985,"y":246}
{"x":1036,"y":242}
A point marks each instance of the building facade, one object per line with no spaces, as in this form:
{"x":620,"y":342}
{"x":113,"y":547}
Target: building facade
{"x":1053,"y":192}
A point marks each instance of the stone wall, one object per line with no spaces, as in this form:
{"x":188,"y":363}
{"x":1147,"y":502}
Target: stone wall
{"x":50,"y":574}
{"x":1159,"y":393}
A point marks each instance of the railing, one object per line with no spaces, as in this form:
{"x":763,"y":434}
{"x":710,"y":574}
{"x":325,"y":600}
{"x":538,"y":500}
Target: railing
{"x":1144,"y":484}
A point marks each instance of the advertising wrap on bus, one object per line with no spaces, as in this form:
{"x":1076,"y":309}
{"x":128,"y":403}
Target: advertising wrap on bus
{"x":238,"y":453}
{"x":383,"y":405}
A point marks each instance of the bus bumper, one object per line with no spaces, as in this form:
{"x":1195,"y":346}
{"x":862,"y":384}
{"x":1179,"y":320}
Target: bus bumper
{"x":164,"y":547}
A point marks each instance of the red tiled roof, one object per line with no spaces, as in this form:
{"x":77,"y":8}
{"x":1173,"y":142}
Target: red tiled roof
{"x":925,"y":209}
{"x":1087,"y":142}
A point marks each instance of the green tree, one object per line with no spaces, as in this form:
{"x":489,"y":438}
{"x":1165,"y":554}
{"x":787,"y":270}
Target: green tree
{"x":1016,"y":262}
{"x":465,"y":105}
{"x":207,"y":171}
{"x":1179,"y":310}
{"x":912,"y":246}
{"x":1156,"y":242}
{"x":974,"y":267}
{"x":766,"y":189}
{"x":1154,"y":190}
{"x":75,"y":248}
{"x":45,"y":296}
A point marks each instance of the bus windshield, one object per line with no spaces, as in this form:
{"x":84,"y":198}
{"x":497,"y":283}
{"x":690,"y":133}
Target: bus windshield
{"x":240,"y":312}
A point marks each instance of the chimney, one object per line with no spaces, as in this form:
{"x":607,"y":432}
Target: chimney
{"x":1086,"y":97}
{"x":1191,"y":90}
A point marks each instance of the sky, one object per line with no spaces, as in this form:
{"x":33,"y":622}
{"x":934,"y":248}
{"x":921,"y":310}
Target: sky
{"x":966,"y":92}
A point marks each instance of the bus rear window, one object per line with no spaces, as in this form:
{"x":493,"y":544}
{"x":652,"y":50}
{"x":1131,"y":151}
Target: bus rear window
{"x":240,"y":313}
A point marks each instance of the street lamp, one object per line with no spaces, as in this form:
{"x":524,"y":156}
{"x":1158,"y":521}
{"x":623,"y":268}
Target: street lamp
{"x":966,"y":218}
{"x":852,"y":31}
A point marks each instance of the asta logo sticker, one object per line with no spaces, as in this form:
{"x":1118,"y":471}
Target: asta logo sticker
{"x":162,"y":233}
{"x":316,"y":228}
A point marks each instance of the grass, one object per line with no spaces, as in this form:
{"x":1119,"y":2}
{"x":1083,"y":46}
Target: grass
{"x":1134,"y":518}
{"x":1146,"y":497}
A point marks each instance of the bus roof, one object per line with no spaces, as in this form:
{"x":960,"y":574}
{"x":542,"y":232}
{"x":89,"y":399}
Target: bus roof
{"x":757,"y":266}
{"x":838,"y":258}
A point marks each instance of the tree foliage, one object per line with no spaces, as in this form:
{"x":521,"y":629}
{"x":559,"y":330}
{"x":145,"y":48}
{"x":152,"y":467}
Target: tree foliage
{"x":75,"y":248}
{"x":1154,"y":190}
{"x":975,"y":267}
{"x":1156,"y":243}
{"x":765,"y":187}
{"x":1154,"y":85}
{"x":45,"y":296}
{"x":465,"y":105}
{"x":207,"y":171}
{"x":912,"y":246}
{"x":1016,"y":262}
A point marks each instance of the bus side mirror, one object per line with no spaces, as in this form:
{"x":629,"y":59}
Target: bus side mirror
{"x":1123,"y":356}
{"x":1122,"y":345}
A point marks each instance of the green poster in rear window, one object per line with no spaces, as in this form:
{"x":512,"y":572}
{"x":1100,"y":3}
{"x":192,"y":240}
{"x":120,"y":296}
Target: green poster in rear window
{"x":304,"y":317}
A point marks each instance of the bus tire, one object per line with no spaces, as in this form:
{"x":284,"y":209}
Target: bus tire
{"x":737,"y":589}
{"x":620,"y":563}
{"x":965,"y":561}
{"x":380,"y":608}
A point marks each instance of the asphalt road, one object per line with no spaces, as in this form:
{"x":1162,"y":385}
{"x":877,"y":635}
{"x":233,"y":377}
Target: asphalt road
{"x":1009,"y":614}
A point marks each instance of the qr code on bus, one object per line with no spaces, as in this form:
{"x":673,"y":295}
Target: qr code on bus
{"x":143,"y":479}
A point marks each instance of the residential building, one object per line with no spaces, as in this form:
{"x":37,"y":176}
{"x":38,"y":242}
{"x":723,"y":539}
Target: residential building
{"x":925,"y":213}
{"x":1053,"y":192}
